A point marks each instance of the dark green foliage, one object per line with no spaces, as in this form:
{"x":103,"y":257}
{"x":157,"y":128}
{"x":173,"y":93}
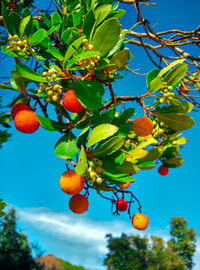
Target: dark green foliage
{"x":183,"y":240}
{"x":137,"y":253}
{"x":15,"y":252}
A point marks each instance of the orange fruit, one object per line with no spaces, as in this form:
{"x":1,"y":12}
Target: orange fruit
{"x":125,"y":186}
{"x":19,"y":107}
{"x":142,"y":126}
{"x":72,"y":183}
{"x":26,"y":121}
{"x":140,"y":221}
{"x":71,"y":103}
{"x":78,"y":204}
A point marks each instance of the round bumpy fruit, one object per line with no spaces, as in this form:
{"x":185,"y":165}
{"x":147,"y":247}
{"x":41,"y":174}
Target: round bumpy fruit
{"x":78,"y":204}
{"x":163,"y":170}
{"x":140,"y":221}
{"x":125,"y":186}
{"x":121,"y":205}
{"x":19,"y":107}
{"x":71,"y":183}
{"x":26,"y":121}
{"x":143,"y":126}
{"x":71,"y":103}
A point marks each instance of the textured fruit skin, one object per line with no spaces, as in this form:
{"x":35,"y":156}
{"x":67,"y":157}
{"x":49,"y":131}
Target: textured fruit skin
{"x":183,"y":90}
{"x":71,"y":103}
{"x":125,"y":186}
{"x":26,"y":121}
{"x":78,"y":204}
{"x":142,"y":126}
{"x":140,"y":221}
{"x":11,"y":6}
{"x":19,"y":107}
{"x":121,"y":205}
{"x":163,"y":170}
{"x":71,"y":183}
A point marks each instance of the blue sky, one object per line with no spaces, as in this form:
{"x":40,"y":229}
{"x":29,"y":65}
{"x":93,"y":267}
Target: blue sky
{"x":30,"y":171}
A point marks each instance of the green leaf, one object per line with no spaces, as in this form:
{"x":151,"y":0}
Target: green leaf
{"x":89,"y":93}
{"x":100,"y":133}
{"x":8,"y":52}
{"x":128,"y":168}
{"x":146,"y":165}
{"x":176,"y":121}
{"x":76,"y":18}
{"x":127,"y":114}
{"x":152,"y":155}
{"x":37,"y":37}
{"x":82,"y":162}
{"x":88,"y":24}
{"x":106,"y":36}
{"x":72,"y":49}
{"x":45,"y":19}
{"x":170,"y":66}
{"x":6,"y":20}
{"x":109,"y":147}
{"x":117,"y":179}
{"x":55,"y":18}
{"x":66,"y":147}
{"x":20,"y":82}
{"x":101,"y":13}
{"x":187,"y":106}
{"x":135,"y":154}
{"x":5,"y":86}
{"x":152,"y":75}
{"x":68,"y":34}
{"x":52,"y":50}
{"x":30,"y":74}
{"x":15,"y":20}
{"x":176,"y":74}
{"x":51,"y":125}
{"x":173,"y":162}
{"x":120,"y":59}
{"x":155,"y":85}
{"x":23,"y":25}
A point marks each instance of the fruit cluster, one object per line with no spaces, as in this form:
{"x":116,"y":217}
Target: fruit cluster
{"x":52,"y":90}
{"x":93,"y":173}
{"x":25,"y":119}
{"x":158,"y":129}
{"x":90,"y":62}
{"x":18,"y":46}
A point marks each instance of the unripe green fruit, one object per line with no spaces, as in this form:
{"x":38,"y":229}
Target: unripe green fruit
{"x":98,"y":169}
{"x":170,"y":88}
{"x":47,"y":100}
{"x":89,"y":170}
{"x":92,"y":174}
{"x":99,"y":163}
{"x":90,"y":47}
{"x":161,"y":100}
{"x":91,"y":164}
{"x":44,"y":74}
{"x":57,"y":86}
{"x":15,"y":37}
{"x":51,"y":72}
{"x":48,"y":78}
{"x":99,"y":180}
{"x":54,"y":76}
{"x":20,"y":43}
{"x":55,"y":98}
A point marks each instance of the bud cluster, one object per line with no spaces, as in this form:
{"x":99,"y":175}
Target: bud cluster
{"x":94,"y":172}
{"x":90,"y":62}
{"x":53,"y":90}
{"x":129,"y":144}
{"x":158,"y":129}
{"x":18,"y":46}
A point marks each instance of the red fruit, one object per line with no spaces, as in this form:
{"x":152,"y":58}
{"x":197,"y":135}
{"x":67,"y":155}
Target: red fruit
{"x":163,"y":170}
{"x":80,"y":30}
{"x":19,"y":107}
{"x":121,"y":205}
{"x":78,"y":204}
{"x":11,"y":6}
{"x":183,"y":90}
{"x":71,"y":103}
{"x":26,"y":121}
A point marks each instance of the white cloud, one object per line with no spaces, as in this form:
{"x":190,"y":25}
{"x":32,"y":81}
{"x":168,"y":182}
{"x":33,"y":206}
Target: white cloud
{"x":77,"y":238}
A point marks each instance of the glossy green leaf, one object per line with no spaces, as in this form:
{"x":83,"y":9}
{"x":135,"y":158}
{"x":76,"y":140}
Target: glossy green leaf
{"x":152,"y":155}
{"x":155,"y":85}
{"x":106,"y":36}
{"x":72,"y":49}
{"x":170,"y":66}
{"x":6,"y":20}
{"x":15,"y":20}
{"x":101,"y":13}
{"x":109,"y":147}
{"x":5,"y":86}
{"x":127,"y":114}
{"x":23,"y":25}
{"x":152,"y":75}
{"x":176,"y":121}
{"x":120,"y":59}
{"x":82,"y":56}
{"x":135,"y":154}
{"x":88,"y":23}
{"x":100,"y":133}
{"x":146,"y":165}
{"x":53,"y":51}
{"x":173,"y":162}
{"x":187,"y":106}
{"x":51,"y":125}
{"x":66,"y":147}
{"x":89,"y":93}
{"x":8,"y":52}
{"x":30,"y":74}
{"x":76,"y":18}
{"x":128,"y":168}
{"x":37,"y":37}
{"x":45,"y":19}
{"x":176,"y":74}
{"x":82,"y":162}
{"x":55,"y":18}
